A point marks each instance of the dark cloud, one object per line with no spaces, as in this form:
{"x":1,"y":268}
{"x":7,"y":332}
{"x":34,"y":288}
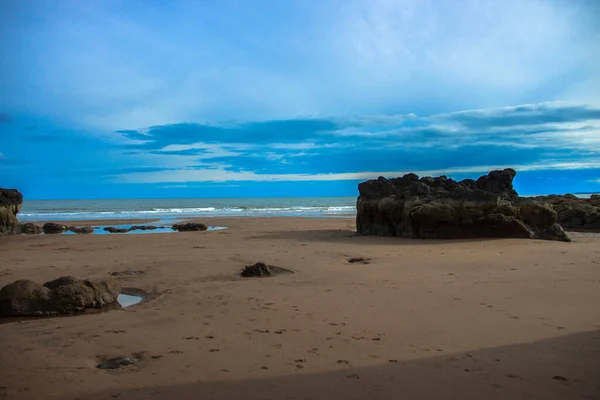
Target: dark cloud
{"x":506,"y":136}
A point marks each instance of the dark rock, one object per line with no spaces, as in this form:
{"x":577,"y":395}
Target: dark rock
{"x":10,"y":205}
{"x":190,"y":226}
{"x":443,"y":208}
{"x":25,"y":297}
{"x":259,"y":269}
{"x":30,"y":229}
{"x":360,"y":260}
{"x":64,"y":295}
{"x":81,"y":229}
{"x":143,"y":227}
{"x":574,"y":213}
{"x":112,"y":229}
{"x":118,"y":362}
{"x":51,"y":228}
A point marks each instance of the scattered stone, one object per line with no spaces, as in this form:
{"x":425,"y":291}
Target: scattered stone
{"x":442,"y":208}
{"x":560,"y":378}
{"x":51,"y":228}
{"x":360,"y":260}
{"x":81,"y":229}
{"x":353,"y":376}
{"x":65,"y":295}
{"x":10,"y":205}
{"x":30,"y":229}
{"x":118,"y":362}
{"x":126,"y":273}
{"x":259,"y":269}
{"x":189,"y":227}
{"x":112,"y":229}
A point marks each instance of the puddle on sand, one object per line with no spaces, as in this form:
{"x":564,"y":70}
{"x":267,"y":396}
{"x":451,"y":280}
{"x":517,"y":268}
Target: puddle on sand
{"x":128,"y":300}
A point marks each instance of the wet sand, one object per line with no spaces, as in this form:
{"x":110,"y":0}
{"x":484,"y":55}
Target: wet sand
{"x":463,"y":319}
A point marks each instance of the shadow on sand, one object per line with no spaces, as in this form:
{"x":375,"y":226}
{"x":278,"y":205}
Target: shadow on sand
{"x":351,"y":237}
{"x":566,"y":367}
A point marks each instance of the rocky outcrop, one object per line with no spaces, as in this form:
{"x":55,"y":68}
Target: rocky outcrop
{"x":575,"y":213}
{"x":30,"y":229}
{"x":10,"y":205}
{"x":81,"y":229}
{"x":190,"y":226}
{"x":443,"y":208}
{"x":65,"y":295}
{"x":51,"y":228}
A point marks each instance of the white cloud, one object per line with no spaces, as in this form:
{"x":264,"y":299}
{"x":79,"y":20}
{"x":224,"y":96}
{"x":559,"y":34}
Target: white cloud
{"x":220,"y":175}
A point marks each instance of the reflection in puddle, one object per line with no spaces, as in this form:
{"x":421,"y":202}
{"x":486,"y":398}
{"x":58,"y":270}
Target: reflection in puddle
{"x":127,"y":300}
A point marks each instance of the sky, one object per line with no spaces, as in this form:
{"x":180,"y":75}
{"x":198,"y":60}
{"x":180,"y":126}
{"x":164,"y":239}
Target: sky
{"x":269,"y":98}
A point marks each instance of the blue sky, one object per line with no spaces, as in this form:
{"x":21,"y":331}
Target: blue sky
{"x":285,"y":98}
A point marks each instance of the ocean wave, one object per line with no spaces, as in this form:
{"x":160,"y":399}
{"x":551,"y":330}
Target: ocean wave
{"x":189,"y":211}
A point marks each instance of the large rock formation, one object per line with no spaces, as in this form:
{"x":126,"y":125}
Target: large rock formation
{"x":444,"y":208}
{"x":10,"y":205}
{"x":574,"y":213}
{"x":65,"y":295}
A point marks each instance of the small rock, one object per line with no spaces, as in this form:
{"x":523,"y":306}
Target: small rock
{"x":112,"y":229}
{"x":51,"y":228}
{"x":259,"y":269}
{"x":81,"y":229}
{"x":30,"y":229}
{"x":189,"y":227}
{"x":117,"y":362}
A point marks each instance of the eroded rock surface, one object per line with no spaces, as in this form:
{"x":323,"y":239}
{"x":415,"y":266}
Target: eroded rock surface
{"x":10,"y":205}
{"x":65,"y":295}
{"x":574,"y":213}
{"x":442,"y":208}
{"x":30,"y":229}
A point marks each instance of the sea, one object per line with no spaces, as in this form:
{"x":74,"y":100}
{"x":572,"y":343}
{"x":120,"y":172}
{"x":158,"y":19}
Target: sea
{"x":178,"y":209}
{"x":170,"y":209}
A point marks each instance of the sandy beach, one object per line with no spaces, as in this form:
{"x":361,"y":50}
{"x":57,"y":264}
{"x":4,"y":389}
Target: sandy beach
{"x":421,"y":319}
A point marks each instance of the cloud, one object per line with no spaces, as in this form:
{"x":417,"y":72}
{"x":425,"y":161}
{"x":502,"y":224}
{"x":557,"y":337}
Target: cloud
{"x":102,"y":65}
{"x":531,"y":136}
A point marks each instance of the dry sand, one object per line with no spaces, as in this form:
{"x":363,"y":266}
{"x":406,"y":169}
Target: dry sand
{"x":460,"y":319}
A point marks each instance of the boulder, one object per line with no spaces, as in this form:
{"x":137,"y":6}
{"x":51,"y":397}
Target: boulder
{"x":30,"y":229}
{"x":190,"y":226}
{"x":65,"y":295}
{"x":81,"y":229}
{"x":10,"y":205}
{"x":51,"y":228}
{"x":112,"y":229}
{"x":575,"y":213}
{"x":442,"y":208}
